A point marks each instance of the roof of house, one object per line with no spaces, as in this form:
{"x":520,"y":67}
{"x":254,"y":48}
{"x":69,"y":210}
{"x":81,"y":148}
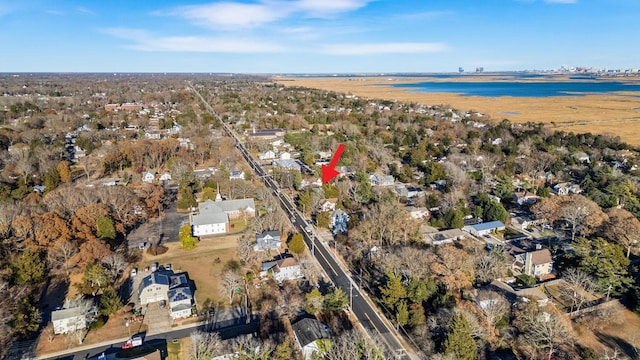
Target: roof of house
{"x":287,"y":262}
{"x":179,"y":294}
{"x":66,"y":313}
{"x":541,"y":257}
{"x":487,"y":225}
{"x":275,"y":234}
{"x":210,"y":214}
{"x":229,"y":205}
{"x":154,"y":278}
{"x":308,"y":330}
{"x":287,"y":163}
{"x":178,"y":280}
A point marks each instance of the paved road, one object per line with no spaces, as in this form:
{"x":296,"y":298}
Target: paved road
{"x":160,"y":339}
{"x":362,"y":309}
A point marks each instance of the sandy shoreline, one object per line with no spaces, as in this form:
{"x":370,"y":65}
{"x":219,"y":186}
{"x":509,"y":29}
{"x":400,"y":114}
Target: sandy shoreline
{"x":613,"y":114}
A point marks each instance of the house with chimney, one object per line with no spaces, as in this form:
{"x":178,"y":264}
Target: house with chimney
{"x":212,"y":217}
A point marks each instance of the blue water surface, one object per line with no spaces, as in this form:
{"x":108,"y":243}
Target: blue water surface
{"x":521,"y":89}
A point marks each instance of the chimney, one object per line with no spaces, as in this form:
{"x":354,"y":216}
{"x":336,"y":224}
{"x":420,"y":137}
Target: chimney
{"x":528,"y":263}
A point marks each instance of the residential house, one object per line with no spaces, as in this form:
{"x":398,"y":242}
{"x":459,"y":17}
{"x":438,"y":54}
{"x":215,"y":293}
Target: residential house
{"x":266,"y":133}
{"x":204,"y":173}
{"x":381,"y":180}
{"x":165,"y":177}
{"x":154,"y":288}
{"x":307,"y":332}
{"x":418,"y":213}
{"x":70,"y":319}
{"x":338,"y":221}
{"x":441,"y":237}
{"x":213,"y":217}
{"x":185,"y":143}
{"x":581,"y":156}
{"x":237,"y":175}
{"x":283,"y":269}
{"x":267,"y":155}
{"x":525,"y":198}
{"x":285,"y":155}
{"x":538,"y":263}
{"x":268,"y":240}
{"x":180,"y":302}
{"x":346,"y":170}
{"x":312,"y":181}
{"x":327,"y":205}
{"x":567,"y":188}
{"x":287,"y":164}
{"x":148,"y":176}
{"x":484,"y":228}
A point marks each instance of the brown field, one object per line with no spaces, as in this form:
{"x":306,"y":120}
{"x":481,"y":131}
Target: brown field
{"x":615,"y":114}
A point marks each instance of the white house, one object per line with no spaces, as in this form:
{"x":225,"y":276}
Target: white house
{"x":267,"y":155}
{"x":285,"y":155}
{"x":268,"y":240}
{"x":567,"y":188}
{"x":287,"y":269}
{"x":69,"y":320}
{"x":154,"y":288}
{"x":307,"y":332}
{"x":237,"y":175}
{"x":443,"y":237}
{"x":180,"y":302}
{"x":484,"y":228}
{"x":148,"y":176}
{"x":165,"y":177}
{"x":537,"y":263}
{"x":381,"y":180}
{"x":418,"y":213}
{"x":327,"y":205}
{"x":213,"y":217}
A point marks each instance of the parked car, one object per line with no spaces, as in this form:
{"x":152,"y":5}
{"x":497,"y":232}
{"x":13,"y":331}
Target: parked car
{"x":154,"y":267}
{"x":163,"y":304}
{"x":133,"y":342}
{"x":167,"y":267}
{"x":134,"y":272}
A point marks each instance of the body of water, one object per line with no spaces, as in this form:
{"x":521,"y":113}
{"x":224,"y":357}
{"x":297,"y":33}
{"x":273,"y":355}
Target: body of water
{"x":521,"y":88}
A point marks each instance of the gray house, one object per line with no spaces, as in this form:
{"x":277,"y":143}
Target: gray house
{"x":307,"y":332}
{"x":268,"y":240}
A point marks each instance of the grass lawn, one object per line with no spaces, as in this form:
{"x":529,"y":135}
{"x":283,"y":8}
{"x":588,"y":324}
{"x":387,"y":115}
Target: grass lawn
{"x":204,"y":265}
{"x":173,"y":350}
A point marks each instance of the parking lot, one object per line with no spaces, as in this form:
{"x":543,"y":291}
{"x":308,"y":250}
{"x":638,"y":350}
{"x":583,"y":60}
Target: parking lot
{"x":166,"y":228}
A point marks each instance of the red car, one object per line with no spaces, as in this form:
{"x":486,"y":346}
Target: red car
{"x":133,"y":342}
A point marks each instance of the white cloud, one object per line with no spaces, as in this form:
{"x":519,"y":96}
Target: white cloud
{"x":561,"y":1}
{"x":227,"y":15}
{"x":384,"y":48}
{"x":428,"y":15}
{"x":54,"y":12}
{"x":230,"y":14}
{"x":84,"y":10}
{"x":323,"y":8}
{"x":142,"y":40}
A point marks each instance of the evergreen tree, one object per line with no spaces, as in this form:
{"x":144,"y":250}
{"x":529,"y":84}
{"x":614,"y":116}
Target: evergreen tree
{"x":402,"y":313}
{"x":64,"y":171}
{"x":459,"y":340}
{"x":106,"y":230}
{"x":110,"y":302}
{"x":393,"y":291}
{"x":26,"y":317}
{"x":313,"y":301}
{"x":323,"y":219}
{"x":29,"y":267}
{"x":96,"y":278}
{"x":495,"y":211}
{"x":186,"y":198}
{"x":335,"y":300}
{"x":51,"y":180}
{"x":454,"y":219}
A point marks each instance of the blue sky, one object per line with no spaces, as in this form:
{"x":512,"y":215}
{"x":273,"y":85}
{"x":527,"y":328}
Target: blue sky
{"x":316,"y":36}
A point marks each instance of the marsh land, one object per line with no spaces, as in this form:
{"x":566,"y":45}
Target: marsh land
{"x":615,"y":113}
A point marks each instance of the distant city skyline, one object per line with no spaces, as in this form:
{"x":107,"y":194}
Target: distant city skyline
{"x":317,"y":36}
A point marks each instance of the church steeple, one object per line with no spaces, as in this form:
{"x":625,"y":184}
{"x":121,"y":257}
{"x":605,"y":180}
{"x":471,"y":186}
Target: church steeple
{"x":218,"y":197}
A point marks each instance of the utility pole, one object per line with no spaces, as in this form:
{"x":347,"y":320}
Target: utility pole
{"x":351,"y":293}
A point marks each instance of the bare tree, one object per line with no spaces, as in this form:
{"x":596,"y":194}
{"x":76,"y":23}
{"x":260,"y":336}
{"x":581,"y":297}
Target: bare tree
{"x":580,"y":287}
{"x":229,"y":282}
{"x":115,"y":263}
{"x":81,"y":328}
{"x":543,"y":330}
{"x":62,"y":254}
{"x":493,"y":305}
{"x":623,"y":227}
{"x":489,"y":266}
{"x":204,"y":346}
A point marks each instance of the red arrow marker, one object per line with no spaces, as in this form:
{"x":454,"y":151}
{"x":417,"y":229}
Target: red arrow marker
{"x":329,"y":171}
